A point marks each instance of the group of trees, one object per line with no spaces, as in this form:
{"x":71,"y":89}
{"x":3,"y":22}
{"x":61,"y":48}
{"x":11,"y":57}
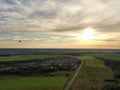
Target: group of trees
{"x":38,"y":67}
{"x":111,"y":87}
{"x":115,"y":66}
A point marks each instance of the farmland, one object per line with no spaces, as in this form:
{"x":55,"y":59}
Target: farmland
{"x":97,"y":72}
{"x":33,"y":83}
{"x":92,"y":74}
{"x":27,"y":57}
{"x":109,"y":56}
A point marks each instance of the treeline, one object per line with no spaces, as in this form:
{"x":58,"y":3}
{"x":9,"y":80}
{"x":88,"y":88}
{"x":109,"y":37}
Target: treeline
{"x":111,"y":87}
{"x":115,"y":65}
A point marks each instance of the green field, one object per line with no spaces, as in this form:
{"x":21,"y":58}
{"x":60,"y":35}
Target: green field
{"x":28,"y":57}
{"x":33,"y":83}
{"x":92,"y":74}
{"x":109,"y":56}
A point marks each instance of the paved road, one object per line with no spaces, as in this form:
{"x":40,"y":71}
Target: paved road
{"x":73,"y":78}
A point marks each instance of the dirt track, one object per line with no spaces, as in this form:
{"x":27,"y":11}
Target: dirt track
{"x":73,"y":78}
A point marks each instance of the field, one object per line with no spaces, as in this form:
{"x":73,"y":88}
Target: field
{"x":33,"y":83}
{"x":109,"y":56}
{"x":94,"y":72}
{"x":92,"y":75}
{"x":28,"y":57}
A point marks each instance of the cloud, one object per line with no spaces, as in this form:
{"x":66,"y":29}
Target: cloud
{"x":62,"y":15}
{"x":43,"y":38}
{"x":58,"y":15}
{"x":51,"y":18}
{"x":109,"y":40}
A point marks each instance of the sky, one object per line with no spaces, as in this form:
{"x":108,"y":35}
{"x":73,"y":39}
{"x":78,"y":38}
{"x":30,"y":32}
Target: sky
{"x":60,"y":24}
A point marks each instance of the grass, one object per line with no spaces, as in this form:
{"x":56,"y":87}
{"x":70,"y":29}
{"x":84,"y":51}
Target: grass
{"x":33,"y":83}
{"x":92,"y":62}
{"x":92,"y":74}
{"x":28,"y":57}
{"x":110,"y":56}
{"x":106,"y":56}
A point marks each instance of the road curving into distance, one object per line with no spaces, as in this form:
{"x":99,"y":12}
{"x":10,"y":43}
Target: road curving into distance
{"x":74,"y":77}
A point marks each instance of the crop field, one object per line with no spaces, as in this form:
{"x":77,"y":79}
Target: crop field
{"x":28,"y":57}
{"x":33,"y":83}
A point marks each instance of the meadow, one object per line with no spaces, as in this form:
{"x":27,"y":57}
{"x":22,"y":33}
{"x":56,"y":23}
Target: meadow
{"x":109,"y":56}
{"x":94,"y":72}
{"x":28,"y":57}
{"x":32,"y":83}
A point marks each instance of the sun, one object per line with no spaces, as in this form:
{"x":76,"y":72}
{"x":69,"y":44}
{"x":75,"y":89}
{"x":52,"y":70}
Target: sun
{"x":88,"y":34}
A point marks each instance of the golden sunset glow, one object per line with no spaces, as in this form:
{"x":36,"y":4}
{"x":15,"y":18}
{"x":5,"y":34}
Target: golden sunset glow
{"x":87,"y":35}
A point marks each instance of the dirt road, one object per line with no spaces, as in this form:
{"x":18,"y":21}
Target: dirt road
{"x":73,"y":78}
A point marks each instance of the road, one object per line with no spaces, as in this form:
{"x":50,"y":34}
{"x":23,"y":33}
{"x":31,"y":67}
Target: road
{"x":73,"y":78}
